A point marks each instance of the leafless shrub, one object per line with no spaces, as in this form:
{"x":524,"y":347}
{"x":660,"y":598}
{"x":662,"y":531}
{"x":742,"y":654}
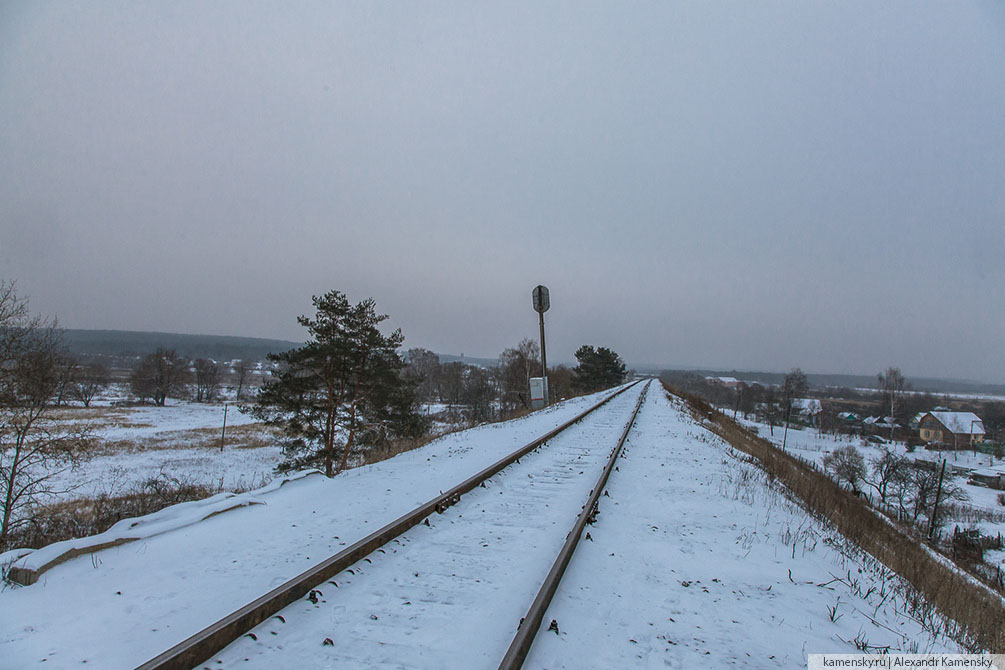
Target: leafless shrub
{"x":34,"y":445}
{"x":848,"y":466}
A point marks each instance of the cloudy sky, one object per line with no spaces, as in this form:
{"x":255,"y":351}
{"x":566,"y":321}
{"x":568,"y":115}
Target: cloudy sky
{"x":758,"y":185}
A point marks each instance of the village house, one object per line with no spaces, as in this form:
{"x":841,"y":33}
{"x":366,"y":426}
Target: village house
{"x":953,"y":430}
{"x":810,"y":409}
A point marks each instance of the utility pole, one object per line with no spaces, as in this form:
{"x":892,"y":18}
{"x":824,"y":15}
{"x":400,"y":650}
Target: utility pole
{"x":223,"y":434}
{"x":935,"y":508}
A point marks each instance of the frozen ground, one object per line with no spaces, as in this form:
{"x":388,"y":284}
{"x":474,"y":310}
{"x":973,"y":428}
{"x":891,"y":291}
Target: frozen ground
{"x":706,"y":558}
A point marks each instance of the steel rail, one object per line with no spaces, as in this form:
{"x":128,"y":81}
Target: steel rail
{"x":201,"y":646}
{"x":531,"y":623}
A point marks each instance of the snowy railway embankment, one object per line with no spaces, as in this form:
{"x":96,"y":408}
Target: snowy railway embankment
{"x":150,"y":595}
{"x":977,"y":610}
{"x":693,"y":556}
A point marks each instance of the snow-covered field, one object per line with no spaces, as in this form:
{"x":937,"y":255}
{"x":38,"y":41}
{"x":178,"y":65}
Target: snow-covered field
{"x":180,"y":440}
{"x":695,"y":560}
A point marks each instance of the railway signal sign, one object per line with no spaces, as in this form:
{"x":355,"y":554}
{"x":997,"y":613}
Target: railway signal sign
{"x":542,"y":301}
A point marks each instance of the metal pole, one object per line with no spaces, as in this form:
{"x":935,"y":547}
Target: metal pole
{"x":544,"y":361}
{"x":938,"y":494}
{"x":224,"y":433}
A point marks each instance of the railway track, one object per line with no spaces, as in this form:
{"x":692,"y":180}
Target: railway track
{"x":350,"y":593}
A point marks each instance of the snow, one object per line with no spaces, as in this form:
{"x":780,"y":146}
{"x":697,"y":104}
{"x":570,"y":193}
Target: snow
{"x":145,"y":527}
{"x":808,"y":406}
{"x":435,"y":594}
{"x":180,"y":440}
{"x":697,"y":562}
{"x":117,"y":473}
{"x":708,"y":557}
{"x":150,"y":594}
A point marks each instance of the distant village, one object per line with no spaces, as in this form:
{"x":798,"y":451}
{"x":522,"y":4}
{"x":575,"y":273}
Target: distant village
{"x":944,"y":423}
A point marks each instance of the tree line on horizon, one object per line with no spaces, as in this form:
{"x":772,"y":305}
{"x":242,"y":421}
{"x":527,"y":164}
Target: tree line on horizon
{"x":349,"y":387}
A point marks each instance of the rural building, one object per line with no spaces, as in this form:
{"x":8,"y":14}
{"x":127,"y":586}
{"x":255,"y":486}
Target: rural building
{"x":955,"y":430}
{"x":728,"y":382}
{"x":990,"y":477}
{"x":810,"y":409}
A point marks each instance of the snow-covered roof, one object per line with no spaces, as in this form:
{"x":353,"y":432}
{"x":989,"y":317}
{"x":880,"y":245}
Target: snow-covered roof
{"x":807,"y":405}
{"x":960,"y":422}
{"x":882,"y":422}
{"x":723,"y":380}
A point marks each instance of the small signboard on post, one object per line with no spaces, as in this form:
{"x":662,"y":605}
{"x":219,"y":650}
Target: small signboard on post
{"x":538,"y":392}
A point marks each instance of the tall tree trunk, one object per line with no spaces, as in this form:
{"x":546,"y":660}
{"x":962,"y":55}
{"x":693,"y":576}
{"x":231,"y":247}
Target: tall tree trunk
{"x":352,"y":436}
{"x":330,"y":442}
{"x":8,"y":507}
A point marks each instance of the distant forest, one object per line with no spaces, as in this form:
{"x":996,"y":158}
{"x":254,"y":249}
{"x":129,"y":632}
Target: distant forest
{"x":129,"y":344}
{"x":132,"y":344}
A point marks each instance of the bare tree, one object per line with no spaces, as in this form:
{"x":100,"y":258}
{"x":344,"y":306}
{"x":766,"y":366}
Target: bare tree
{"x":769,"y":408}
{"x":67,"y":369}
{"x":34,"y":447}
{"x":242,"y":369}
{"x":516,"y":367}
{"x":90,"y":381}
{"x":560,"y":383}
{"x":452,"y":383}
{"x":848,"y":466}
{"x":893,"y":385}
{"x":159,"y":375}
{"x":889,"y":471}
{"x":478,"y":393}
{"x":424,"y":367}
{"x":207,"y":380}
{"x":923,"y":487}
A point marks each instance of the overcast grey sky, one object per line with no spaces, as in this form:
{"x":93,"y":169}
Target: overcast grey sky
{"x":758,"y":185}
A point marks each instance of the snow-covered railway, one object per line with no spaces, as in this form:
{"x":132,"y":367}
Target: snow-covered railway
{"x":468,"y":573}
{"x":694,"y":557}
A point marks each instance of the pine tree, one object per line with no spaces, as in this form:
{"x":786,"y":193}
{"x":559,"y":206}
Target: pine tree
{"x":343,"y":389}
{"x":598,"y":369}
